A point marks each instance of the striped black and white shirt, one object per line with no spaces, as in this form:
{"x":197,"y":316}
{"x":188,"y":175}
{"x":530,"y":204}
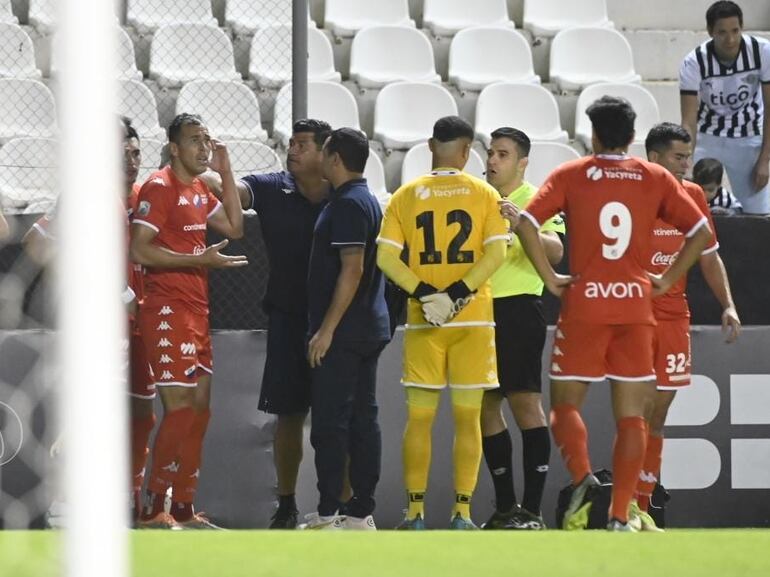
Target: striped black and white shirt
{"x":730,"y":94}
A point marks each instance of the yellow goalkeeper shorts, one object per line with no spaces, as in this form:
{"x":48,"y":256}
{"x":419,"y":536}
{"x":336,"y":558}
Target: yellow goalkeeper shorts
{"x":462,"y":357}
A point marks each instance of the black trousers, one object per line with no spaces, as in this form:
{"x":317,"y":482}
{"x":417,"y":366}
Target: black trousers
{"x":344,"y":423}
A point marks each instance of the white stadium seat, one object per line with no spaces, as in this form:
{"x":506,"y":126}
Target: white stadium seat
{"x":137,"y":102}
{"x":547,"y":17}
{"x":544,"y":157}
{"x":528,"y":107}
{"x":149,"y":15}
{"x":151,"y":157}
{"x":270,"y":56}
{"x":374,"y":173}
{"x":418,"y":159}
{"x":229,"y":109}
{"x":447,"y":17}
{"x":383,"y":54}
{"x":184,"y":52}
{"x":125,"y":56}
{"x":42,"y":15}
{"x":346,"y":17}
{"x":638,"y":150}
{"x":320,"y":63}
{"x":246,"y":16}
{"x":28,"y":175}
{"x":483,"y":55}
{"x":644,"y":104}
{"x":586,"y":55}
{"x":6,"y":13}
{"x":17,"y":54}
{"x":329,"y":101}
{"x":249,"y":157}
{"x":37,"y":116}
{"x":404,"y":112}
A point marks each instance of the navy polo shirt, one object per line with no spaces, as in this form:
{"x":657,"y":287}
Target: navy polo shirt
{"x":287,"y":220}
{"x":351,"y":218}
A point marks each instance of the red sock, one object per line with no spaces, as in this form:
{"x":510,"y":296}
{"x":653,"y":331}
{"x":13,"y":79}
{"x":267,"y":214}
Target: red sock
{"x":140,"y":435}
{"x":174,"y":429}
{"x":186,"y":481}
{"x":569,"y":432}
{"x":627,"y":460}
{"x":650,"y":471}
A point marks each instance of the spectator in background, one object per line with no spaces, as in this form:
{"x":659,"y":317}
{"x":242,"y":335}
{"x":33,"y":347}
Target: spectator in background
{"x":724,"y":84}
{"x":708,"y":173}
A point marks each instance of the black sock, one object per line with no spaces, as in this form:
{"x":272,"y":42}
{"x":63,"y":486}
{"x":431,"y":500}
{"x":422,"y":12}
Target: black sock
{"x":287,"y":502}
{"x":498,"y":451}
{"x":536,"y":449}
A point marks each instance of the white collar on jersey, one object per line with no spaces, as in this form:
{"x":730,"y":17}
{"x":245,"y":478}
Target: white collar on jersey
{"x":612,"y":156}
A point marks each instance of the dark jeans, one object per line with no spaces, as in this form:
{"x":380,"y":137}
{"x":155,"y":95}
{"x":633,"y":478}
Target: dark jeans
{"x":344,"y":423}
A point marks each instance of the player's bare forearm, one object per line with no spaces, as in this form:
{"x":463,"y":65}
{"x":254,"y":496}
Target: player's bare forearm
{"x":689,"y":108}
{"x":532,"y":243}
{"x":147,"y":254}
{"x":390,"y":263}
{"x":691,"y":251}
{"x":351,"y":271}
{"x":715,"y":275}
{"x":554,"y":249}
{"x":228,"y":222}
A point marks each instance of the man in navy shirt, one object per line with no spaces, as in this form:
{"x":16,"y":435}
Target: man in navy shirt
{"x":348,"y":328}
{"x":288,"y":204}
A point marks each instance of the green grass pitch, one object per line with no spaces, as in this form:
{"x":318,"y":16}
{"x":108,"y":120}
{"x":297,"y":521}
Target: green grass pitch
{"x":677,"y":553}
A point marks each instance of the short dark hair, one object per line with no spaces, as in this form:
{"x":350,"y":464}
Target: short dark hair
{"x":661,"y":136}
{"x":612,"y":118}
{"x":128,"y":130}
{"x":180,"y":120}
{"x":449,"y":128}
{"x":521,"y":140}
{"x":707,"y":171}
{"x":320,"y":129}
{"x":723,"y":9}
{"x":352,"y":146}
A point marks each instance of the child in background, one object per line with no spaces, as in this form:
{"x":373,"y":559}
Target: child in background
{"x":707,"y":173}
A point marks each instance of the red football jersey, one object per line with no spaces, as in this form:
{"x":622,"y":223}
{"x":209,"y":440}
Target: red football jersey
{"x":178,"y":213}
{"x":611,"y":204}
{"x":667,"y":241}
{"x":135,"y":280}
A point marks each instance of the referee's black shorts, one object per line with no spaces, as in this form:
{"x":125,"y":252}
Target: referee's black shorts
{"x":520,"y":331}
{"x":286,"y":377}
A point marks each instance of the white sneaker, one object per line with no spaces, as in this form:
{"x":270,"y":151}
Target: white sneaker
{"x":323,"y":523}
{"x":359,"y":524}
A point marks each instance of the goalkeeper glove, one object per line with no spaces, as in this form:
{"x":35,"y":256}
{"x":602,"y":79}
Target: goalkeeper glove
{"x":442,"y":307}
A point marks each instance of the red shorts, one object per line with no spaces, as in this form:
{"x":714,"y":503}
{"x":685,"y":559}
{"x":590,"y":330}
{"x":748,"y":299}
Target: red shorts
{"x":585,"y":352}
{"x":140,"y":374}
{"x":177,"y":342}
{"x":672,"y":353}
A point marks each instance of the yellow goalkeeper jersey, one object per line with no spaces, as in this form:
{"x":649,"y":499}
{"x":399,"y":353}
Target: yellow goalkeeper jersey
{"x":444,"y":219}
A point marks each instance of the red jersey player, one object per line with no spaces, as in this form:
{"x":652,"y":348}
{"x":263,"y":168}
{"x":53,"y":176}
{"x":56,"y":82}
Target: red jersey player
{"x":669,"y":145}
{"x":168,"y":238}
{"x":606,"y":326}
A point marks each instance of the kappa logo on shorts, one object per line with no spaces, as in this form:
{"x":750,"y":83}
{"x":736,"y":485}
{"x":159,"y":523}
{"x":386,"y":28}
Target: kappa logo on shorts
{"x":183,"y":201}
{"x":165,"y":360}
{"x":165,"y":311}
{"x":167,"y":376}
{"x":172,"y":467}
{"x":188,"y":348}
{"x":164,"y":326}
{"x":164,"y":343}
{"x":559,"y":334}
{"x":555,"y":368}
{"x":557,"y":352}
{"x":190,"y":371}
